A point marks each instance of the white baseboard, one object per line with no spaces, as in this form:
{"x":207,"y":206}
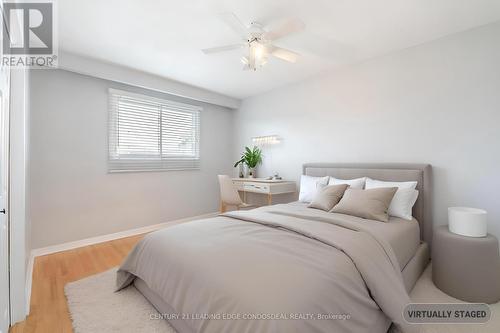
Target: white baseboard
{"x":109,"y":237}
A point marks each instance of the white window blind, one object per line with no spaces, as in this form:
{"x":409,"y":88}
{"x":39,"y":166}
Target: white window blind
{"x":147,"y":134}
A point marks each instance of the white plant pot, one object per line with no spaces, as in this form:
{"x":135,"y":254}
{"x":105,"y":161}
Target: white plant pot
{"x":467,"y":221}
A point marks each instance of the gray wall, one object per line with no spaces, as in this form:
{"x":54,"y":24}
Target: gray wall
{"x":436,"y":103}
{"x":72,"y":195}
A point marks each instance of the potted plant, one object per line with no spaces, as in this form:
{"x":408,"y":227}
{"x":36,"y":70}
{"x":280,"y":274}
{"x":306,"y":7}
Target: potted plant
{"x":251,"y":158}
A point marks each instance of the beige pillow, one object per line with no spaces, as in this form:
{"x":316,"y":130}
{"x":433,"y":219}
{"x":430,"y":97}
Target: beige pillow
{"x":369,"y":204}
{"x":328,"y":196}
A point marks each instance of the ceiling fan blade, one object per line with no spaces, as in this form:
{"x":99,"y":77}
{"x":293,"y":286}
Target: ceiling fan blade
{"x":222,"y":48}
{"x":233,"y":22}
{"x":284,"y":54}
{"x":290,"y":26}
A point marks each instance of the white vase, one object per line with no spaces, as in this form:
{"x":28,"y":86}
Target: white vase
{"x":251,"y":172}
{"x":241,"y":171}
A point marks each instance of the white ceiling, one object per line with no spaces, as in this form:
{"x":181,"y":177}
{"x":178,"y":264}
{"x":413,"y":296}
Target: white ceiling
{"x":164,"y":37}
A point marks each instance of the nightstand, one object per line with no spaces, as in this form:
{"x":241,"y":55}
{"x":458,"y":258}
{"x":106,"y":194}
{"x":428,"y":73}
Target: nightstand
{"x":467,"y":268}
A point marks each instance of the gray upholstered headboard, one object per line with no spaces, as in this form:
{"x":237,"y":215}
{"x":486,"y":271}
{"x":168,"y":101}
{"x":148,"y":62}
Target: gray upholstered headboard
{"x":398,"y":172}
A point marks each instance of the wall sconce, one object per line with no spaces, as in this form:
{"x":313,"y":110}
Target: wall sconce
{"x":266,"y":140}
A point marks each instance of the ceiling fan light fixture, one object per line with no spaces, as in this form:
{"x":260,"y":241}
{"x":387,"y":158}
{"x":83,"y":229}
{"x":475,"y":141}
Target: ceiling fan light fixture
{"x":258,"y":42}
{"x":259,"y":50}
{"x":257,"y":55}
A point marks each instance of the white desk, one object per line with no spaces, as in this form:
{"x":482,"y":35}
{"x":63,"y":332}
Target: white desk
{"x":264,"y":186}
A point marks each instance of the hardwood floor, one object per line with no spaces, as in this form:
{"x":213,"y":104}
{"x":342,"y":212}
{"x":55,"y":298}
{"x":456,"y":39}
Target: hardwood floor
{"x":48,"y":309}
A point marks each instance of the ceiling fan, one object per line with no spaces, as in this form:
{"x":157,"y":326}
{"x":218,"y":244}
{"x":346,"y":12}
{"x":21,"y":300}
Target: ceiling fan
{"x":258,"y":41}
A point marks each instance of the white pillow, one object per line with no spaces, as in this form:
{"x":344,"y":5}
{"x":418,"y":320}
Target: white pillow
{"x":358,"y":183}
{"x":309,"y":186}
{"x":404,"y":199}
{"x":373,"y":183}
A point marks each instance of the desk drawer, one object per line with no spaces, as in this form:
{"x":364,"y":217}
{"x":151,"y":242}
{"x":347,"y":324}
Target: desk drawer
{"x":256,"y":187}
{"x":238,"y":186}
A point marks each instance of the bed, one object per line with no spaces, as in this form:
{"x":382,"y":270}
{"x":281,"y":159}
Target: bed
{"x":288,"y":268}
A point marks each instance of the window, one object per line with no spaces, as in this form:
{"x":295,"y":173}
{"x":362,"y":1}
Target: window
{"x":148,"y":134}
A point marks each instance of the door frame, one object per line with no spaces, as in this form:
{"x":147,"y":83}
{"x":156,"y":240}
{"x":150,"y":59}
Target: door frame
{"x":18,"y":217}
{"x":5,"y":320}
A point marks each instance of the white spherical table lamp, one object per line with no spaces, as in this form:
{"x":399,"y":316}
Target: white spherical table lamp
{"x":465,"y":221}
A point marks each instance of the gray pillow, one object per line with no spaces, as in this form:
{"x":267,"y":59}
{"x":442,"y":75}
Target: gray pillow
{"x":369,"y":204}
{"x":328,"y":196}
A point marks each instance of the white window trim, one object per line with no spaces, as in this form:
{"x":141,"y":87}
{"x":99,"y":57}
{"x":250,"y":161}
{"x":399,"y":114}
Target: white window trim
{"x":138,"y":164}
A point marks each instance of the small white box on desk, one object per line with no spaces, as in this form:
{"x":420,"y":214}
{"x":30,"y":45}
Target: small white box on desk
{"x":467,"y":221}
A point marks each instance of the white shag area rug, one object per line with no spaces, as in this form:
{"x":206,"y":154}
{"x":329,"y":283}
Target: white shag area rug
{"x":95,"y":307}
